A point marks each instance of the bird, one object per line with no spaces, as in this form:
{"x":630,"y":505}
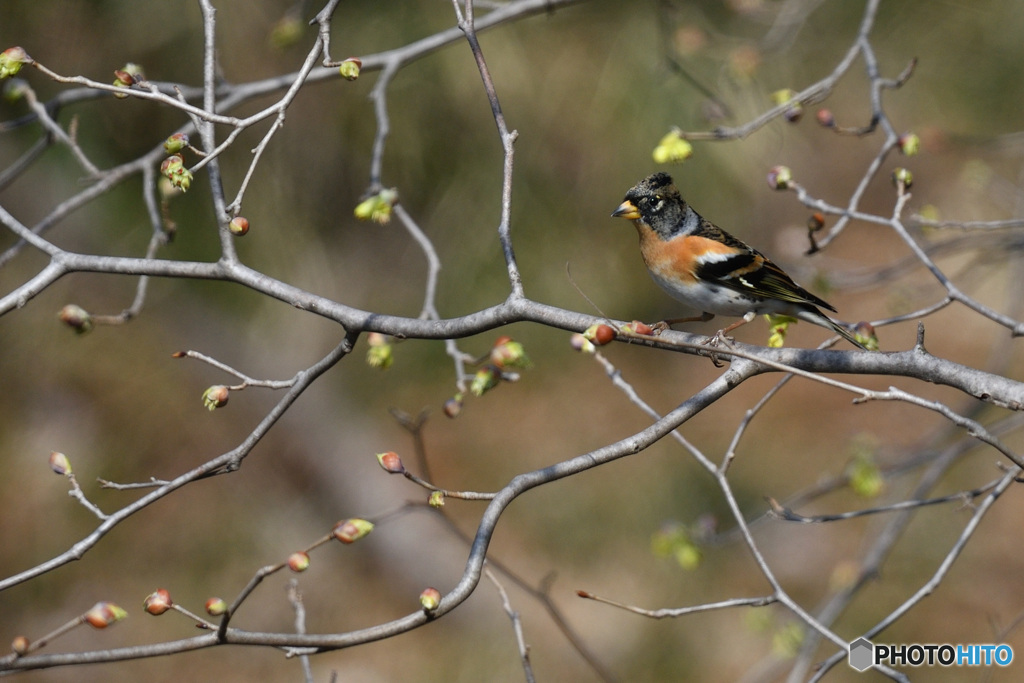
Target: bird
{"x":700,"y":264}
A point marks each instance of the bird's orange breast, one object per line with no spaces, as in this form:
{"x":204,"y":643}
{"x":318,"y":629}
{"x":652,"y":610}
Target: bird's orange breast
{"x":679,"y":257}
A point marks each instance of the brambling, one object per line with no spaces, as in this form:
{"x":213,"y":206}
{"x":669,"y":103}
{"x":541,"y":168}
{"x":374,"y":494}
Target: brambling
{"x":700,"y":264}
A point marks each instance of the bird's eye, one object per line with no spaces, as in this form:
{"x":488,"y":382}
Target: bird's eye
{"x":659,"y":205}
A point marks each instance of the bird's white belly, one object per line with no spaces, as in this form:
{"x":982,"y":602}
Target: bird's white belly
{"x":711,"y":298}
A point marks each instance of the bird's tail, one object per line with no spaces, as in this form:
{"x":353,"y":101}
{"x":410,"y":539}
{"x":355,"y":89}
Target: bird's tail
{"x":842,"y":329}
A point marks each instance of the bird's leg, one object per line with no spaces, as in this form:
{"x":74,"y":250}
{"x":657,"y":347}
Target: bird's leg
{"x":722,"y":336}
{"x":667,"y":324}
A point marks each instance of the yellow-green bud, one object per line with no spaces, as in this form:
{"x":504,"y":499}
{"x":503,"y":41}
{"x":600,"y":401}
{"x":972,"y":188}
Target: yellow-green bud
{"x":430,"y":598}
{"x":580,"y":343}
{"x":216,"y":607}
{"x":780,"y":177}
{"x":865,"y":478}
{"x":286,"y":32}
{"x":378,"y":207}
{"x":350,"y":68}
{"x":176,"y":143}
{"x":902,"y":176}
{"x":60,"y":464}
{"x":508,"y":353}
{"x":298,"y":561}
{"x":238,"y":226}
{"x":15,"y":89}
{"x":485,"y":379}
{"x":173,"y":168}
{"x":910,"y":144}
{"x":672,"y":148}
{"x":795,"y":110}
{"x":76,"y":318}
{"x":351,"y":530}
{"x":779,"y":325}
{"x":381,"y":351}
{"x":866,"y":335}
{"x":216,"y":397}
{"x":11,"y":61}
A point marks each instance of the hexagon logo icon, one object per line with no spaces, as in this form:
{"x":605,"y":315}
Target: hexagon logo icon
{"x":862,"y":653}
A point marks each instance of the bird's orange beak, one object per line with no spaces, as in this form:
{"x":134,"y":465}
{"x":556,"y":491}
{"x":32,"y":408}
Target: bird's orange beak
{"x":627,"y":209}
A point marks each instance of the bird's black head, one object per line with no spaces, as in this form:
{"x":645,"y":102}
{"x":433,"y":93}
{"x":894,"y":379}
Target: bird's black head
{"x":654,"y":201}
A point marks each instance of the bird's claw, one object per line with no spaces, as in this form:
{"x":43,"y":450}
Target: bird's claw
{"x":720,"y":338}
{"x":659,"y":327}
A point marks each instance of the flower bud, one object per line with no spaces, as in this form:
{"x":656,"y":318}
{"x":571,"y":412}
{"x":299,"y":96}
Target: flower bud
{"x":349,"y":69}
{"x":176,"y":143}
{"x":672,"y":148}
{"x":866,"y":479}
{"x":103,"y":614}
{"x":795,"y":110}
{"x":675,"y":541}
{"x":909,"y":143}
{"x":171,"y":164}
{"x":76,"y":317}
{"x":378,"y":207}
{"x":173,"y":168}
{"x":453,"y":406}
{"x":430,"y":598}
{"x":238,"y":226}
{"x":15,"y":89}
{"x":507,"y":353}
{"x":600,"y":334}
{"x":20,"y":645}
{"x":865,"y":334}
{"x":826,"y":118}
{"x":381,"y":352}
{"x":126,"y":77}
{"x":782,"y":96}
{"x":902,"y":177}
{"x":157,"y":602}
{"x":637,"y":327}
{"x":59,"y":463}
{"x":391,"y":462}
{"x":778,"y":325}
{"x":11,"y":61}
{"x":581,"y":343}
{"x":298,"y":561}
{"x":351,"y":530}
{"x":485,"y":379}
{"x":216,"y":607}
{"x":123,"y":79}
{"x":287,"y":31}
{"x":779,"y":178}
{"x":436,"y":499}
{"x":216,"y":397}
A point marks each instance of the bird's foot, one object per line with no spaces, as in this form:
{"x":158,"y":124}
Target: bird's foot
{"x":720,"y":339}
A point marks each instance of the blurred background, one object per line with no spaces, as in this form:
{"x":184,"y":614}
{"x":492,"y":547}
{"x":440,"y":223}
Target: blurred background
{"x":591,"y":89}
